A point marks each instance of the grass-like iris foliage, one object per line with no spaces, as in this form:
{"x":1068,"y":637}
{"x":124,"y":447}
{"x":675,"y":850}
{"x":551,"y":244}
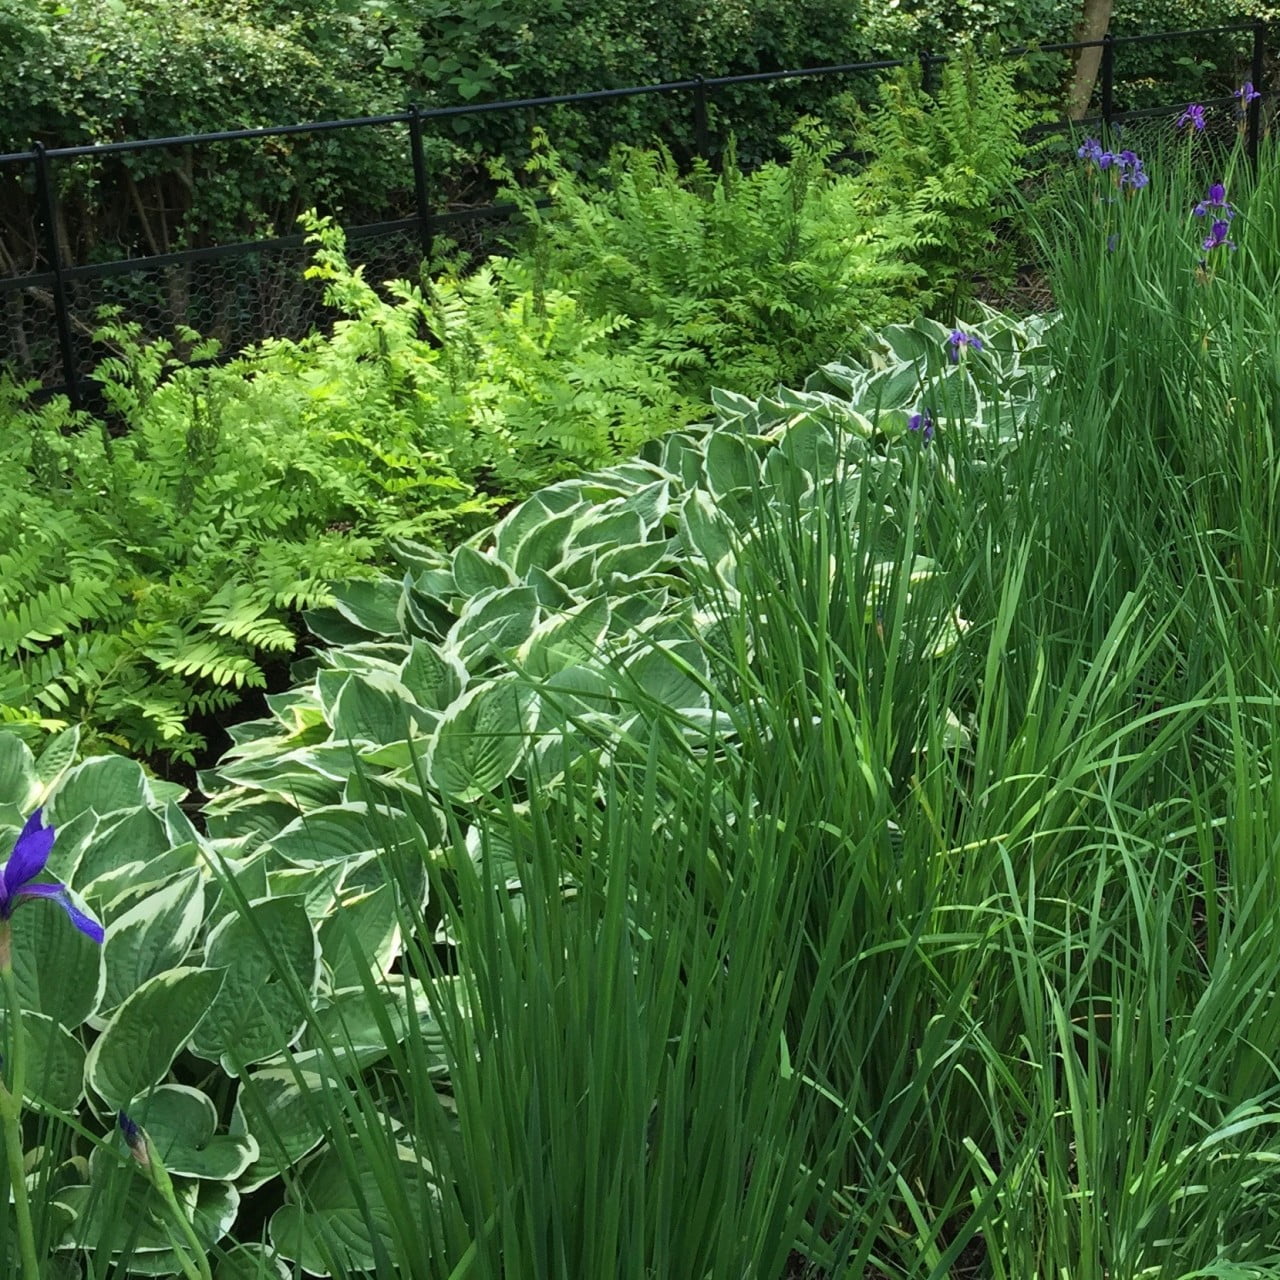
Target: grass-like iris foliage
{"x":838,"y":841}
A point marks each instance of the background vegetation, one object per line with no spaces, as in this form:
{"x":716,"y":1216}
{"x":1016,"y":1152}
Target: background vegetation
{"x":158,"y":557}
{"x":88,"y":71}
{"x":819,"y":826}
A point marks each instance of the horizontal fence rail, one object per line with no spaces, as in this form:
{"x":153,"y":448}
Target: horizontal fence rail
{"x":48,"y":288}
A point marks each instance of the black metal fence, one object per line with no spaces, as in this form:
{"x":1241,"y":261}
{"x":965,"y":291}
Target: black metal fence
{"x":48,"y":313}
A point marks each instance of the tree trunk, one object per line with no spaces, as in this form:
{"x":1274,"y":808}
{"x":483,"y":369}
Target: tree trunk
{"x":1094,"y":21}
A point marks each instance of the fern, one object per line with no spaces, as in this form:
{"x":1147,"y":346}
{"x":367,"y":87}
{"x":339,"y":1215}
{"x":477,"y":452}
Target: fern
{"x":730,"y":279}
{"x":953,"y":161}
{"x":239,"y":612}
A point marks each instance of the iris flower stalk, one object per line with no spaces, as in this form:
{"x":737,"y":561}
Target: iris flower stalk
{"x":1244,"y":95}
{"x":148,"y":1160}
{"x":18,"y":884}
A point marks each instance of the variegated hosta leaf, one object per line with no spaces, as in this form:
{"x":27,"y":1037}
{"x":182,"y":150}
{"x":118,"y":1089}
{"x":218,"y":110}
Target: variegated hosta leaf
{"x":268,"y":955}
{"x":182,"y":1124}
{"x":147,"y":1031}
{"x":333,"y":1235}
{"x":135,"y":1217}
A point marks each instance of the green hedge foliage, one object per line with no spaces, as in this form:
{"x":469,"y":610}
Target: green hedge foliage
{"x":103,"y":71}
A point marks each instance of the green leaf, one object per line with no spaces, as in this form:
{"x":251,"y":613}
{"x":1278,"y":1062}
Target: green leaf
{"x":335,"y":1222}
{"x":372,"y":707}
{"x":433,"y":678}
{"x":519,"y":523}
{"x":367,"y":922}
{"x":811,"y":446}
{"x":337,"y":833}
{"x":57,"y":757}
{"x":19,"y":779}
{"x":566,"y":640}
{"x":137,"y":837}
{"x":98,"y":1214}
{"x":370,"y":605}
{"x":154,"y":935}
{"x":105,"y":784}
{"x":703,"y":529}
{"x":256,"y":1010}
{"x":632,"y":562}
{"x":58,"y":970}
{"x":599,"y":528}
{"x":543,"y":546}
{"x":896,"y":388}
{"x":55,"y":1061}
{"x":182,"y":1123}
{"x":660,"y":671}
{"x":482,"y":738}
{"x":147,"y":1031}
{"x":905,"y":344}
{"x":285,"y":1111}
{"x":352,"y":1032}
{"x":250,"y":1262}
{"x":730,"y":405}
{"x":731,"y":463}
{"x":474,"y":572}
{"x":492,"y":624}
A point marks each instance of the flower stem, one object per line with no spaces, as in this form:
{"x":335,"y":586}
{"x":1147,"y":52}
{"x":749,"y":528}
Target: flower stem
{"x":163,"y":1184}
{"x":148,"y":1159}
{"x":188,"y":1267}
{"x":11,"y":1122}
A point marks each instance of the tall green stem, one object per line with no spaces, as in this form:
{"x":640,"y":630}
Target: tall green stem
{"x":165,"y":1187}
{"x":11,"y":1116}
{"x":145,"y":1154}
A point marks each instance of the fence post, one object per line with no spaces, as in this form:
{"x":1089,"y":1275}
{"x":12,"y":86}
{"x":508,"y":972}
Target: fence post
{"x":62,"y":314}
{"x":425,"y":219}
{"x":701,"y":135}
{"x":926,"y":71}
{"x":1254,"y":127}
{"x":1108,"y":79}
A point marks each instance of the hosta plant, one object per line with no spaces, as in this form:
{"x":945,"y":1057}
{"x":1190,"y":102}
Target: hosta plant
{"x":221,"y":1011}
{"x":542,"y":637}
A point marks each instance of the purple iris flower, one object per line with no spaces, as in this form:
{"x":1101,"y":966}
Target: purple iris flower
{"x":959,"y":339}
{"x":1193,"y":115}
{"x":27,"y":861}
{"x":1217,"y":236}
{"x":1132,"y":174}
{"x":923,"y":423}
{"x":1215,"y":202}
{"x":1245,"y":94}
{"x":1126,"y":164}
